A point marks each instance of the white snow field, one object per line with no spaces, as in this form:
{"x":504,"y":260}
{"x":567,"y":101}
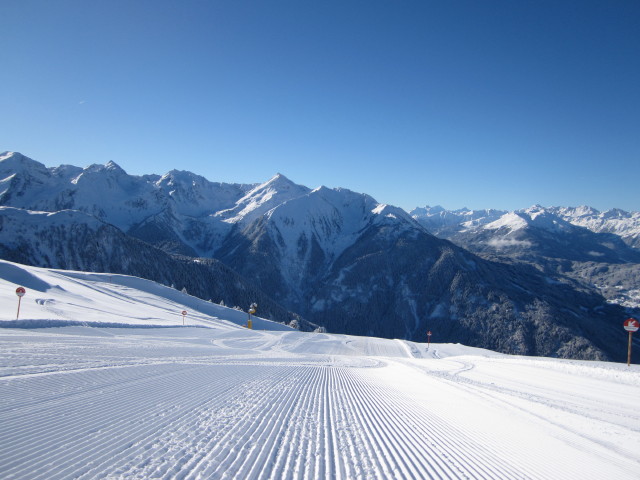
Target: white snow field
{"x":124,"y":391}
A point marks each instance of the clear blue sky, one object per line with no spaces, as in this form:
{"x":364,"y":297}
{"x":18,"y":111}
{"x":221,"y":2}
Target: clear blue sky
{"x":483,"y":104}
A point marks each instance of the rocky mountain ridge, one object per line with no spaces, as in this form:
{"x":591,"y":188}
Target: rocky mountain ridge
{"x":338,"y":258}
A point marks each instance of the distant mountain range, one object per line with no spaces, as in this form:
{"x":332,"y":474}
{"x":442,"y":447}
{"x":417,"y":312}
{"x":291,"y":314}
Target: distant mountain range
{"x":337,"y":258}
{"x":447,"y":223}
{"x":598,"y":249}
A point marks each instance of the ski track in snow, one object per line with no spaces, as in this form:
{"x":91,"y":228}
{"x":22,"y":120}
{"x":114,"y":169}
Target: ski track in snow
{"x":223,"y":421}
{"x":94,"y":407}
{"x":224,"y":402}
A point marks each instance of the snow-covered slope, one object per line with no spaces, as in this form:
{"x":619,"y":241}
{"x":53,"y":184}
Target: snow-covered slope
{"x":304,"y":235}
{"x":71,"y":239}
{"x":536,"y":217}
{"x":258,"y":201}
{"x":59,"y":297}
{"x":195,"y":196}
{"x":124,"y":391}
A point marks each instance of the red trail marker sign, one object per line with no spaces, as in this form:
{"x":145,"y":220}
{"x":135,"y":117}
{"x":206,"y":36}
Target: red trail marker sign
{"x":20,"y":291}
{"x":630,"y":325}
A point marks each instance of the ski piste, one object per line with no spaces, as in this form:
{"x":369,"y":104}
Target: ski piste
{"x":99,"y":379}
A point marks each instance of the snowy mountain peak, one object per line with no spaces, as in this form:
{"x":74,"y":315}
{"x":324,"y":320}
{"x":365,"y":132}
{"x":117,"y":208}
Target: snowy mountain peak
{"x":438,"y":220}
{"x":321,"y":189}
{"x":426,"y":211}
{"x":615,"y":213}
{"x":389,"y":211}
{"x":15,"y":159}
{"x":110,"y":167}
{"x":512,"y":220}
{"x":277,"y":186}
{"x":98,"y":179}
{"x":181,"y":178}
{"x":581,"y":211}
{"x":536,"y":216}
{"x":14,"y":162}
{"x":534,"y":210}
{"x":280,"y":182}
{"x":259,"y":200}
{"x":5,"y":155}
{"x":20,"y":176}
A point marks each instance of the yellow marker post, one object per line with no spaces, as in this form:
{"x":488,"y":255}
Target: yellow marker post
{"x":252,"y":309}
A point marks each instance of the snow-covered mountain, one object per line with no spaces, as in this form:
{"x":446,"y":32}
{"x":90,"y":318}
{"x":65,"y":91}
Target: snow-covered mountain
{"x":447,"y":223}
{"x":597,"y":249}
{"x":624,"y":224}
{"x":338,"y":258}
{"x":72,"y":239}
{"x":440,"y":221}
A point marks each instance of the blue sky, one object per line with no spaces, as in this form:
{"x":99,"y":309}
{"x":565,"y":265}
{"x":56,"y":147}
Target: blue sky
{"x":483,"y":104}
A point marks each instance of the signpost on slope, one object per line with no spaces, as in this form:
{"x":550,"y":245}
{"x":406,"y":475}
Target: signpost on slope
{"x":184,"y":314}
{"x":630,"y":325}
{"x":20,"y":291}
{"x":429,"y":339}
{"x":252,"y":309}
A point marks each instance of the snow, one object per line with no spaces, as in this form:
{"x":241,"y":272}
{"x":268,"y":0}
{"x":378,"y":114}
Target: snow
{"x":264,"y":197}
{"x":327,"y":215}
{"x":124,"y":391}
{"x":437,"y":217}
{"x":510,"y":220}
{"x":195,"y":196}
{"x":79,"y":297}
{"x":616,"y":221}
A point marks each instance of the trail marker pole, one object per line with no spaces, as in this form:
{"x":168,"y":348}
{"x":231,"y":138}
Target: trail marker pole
{"x":184,"y":314}
{"x":20,"y":291}
{"x":429,"y":339}
{"x":630,"y":325}
{"x":252,"y":309}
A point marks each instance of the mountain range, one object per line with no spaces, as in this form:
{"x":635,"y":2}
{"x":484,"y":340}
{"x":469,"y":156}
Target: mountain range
{"x":515,"y":282}
{"x":598,"y":249}
{"x":447,"y":223}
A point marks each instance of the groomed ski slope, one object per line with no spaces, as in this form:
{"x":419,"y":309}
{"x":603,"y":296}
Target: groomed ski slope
{"x":124,"y":391}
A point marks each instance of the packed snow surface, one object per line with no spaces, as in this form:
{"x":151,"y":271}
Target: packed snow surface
{"x":118,"y":388}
